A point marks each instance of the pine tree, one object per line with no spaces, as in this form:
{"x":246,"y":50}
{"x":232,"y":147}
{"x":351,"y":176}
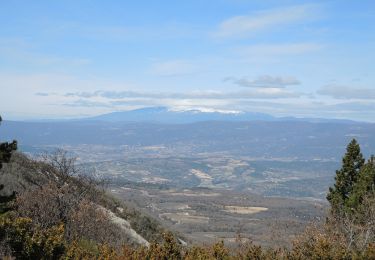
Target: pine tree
{"x":6,"y":150}
{"x":346,"y":178}
{"x":365,"y":185}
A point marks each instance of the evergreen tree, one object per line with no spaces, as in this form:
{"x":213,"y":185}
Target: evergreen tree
{"x":6,"y":150}
{"x":346,"y":178}
{"x":365,"y":185}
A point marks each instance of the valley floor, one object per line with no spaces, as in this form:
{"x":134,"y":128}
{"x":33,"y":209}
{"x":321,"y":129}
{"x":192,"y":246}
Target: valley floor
{"x":207,"y":215}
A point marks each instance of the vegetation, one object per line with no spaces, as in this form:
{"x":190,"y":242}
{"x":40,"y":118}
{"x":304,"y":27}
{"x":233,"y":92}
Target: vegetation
{"x":57,"y":208}
{"x":352,"y":199}
{"x":59,"y":213}
{"x":6,"y":150}
{"x":340,"y":196}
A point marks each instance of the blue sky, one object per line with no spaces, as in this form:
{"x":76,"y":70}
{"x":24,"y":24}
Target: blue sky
{"x":62,"y":59}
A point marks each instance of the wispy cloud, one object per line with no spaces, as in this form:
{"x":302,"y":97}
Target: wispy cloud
{"x":174,"y":68}
{"x":18,"y":50}
{"x":245,"y":25}
{"x":347,"y":92}
{"x":123,"y":33}
{"x":81,"y":94}
{"x":265,"y":81}
{"x":86,"y":103}
{"x":259,"y":93}
{"x":42,"y":94}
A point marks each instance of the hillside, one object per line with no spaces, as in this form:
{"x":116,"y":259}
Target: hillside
{"x":60,"y":212}
{"x":95,"y":227}
{"x":51,"y":190}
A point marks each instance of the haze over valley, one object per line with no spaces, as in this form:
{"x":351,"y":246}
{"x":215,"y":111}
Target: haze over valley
{"x":274,"y":157}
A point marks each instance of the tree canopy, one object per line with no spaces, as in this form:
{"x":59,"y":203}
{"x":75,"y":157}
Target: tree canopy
{"x":6,"y":150}
{"x":352,"y":197}
{"x":346,"y":177}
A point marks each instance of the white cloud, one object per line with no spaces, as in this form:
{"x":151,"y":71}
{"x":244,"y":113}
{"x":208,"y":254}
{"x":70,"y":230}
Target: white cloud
{"x":248,"y":24}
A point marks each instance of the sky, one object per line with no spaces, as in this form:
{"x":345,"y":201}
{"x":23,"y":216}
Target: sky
{"x":69,"y":59}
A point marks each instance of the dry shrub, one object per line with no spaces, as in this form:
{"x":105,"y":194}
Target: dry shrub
{"x":315,"y":243}
{"x":357,"y":228}
{"x":197,"y":253}
{"x":249,"y":251}
{"x":24,"y":241}
{"x":327,"y":242}
{"x":92,"y":223}
{"x":46,"y":206}
{"x":170,"y":249}
{"x":50,"y":205}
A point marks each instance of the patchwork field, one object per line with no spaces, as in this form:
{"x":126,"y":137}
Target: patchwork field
{"x":280,"y":178}
{"x":203,"y":215}
{"x":244,"y":210}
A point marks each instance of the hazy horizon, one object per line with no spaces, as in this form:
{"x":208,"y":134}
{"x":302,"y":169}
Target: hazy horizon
{"x":191,"y":111}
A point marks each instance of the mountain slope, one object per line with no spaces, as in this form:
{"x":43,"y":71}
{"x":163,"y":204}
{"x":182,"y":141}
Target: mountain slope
{"x":164,"y":115}
{"x":48,"y":195}
{"x":169,"y":116}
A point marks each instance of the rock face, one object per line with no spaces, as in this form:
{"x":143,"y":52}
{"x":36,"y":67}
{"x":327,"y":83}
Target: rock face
{"x":126,"y":227}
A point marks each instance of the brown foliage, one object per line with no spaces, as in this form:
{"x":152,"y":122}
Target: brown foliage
{"x":92,"y":223}
{"x":51,"y":205}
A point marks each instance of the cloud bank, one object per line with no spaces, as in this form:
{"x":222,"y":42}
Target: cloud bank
{"x":265,"y":81}
{"x":346,"y":92}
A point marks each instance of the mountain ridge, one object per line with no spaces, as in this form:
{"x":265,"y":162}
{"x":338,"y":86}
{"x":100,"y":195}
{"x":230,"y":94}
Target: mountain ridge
{"x":164,"y":115}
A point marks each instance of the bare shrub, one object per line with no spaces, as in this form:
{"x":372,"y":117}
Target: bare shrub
{"x":90,"y":222}
{"x":46,"y":206}
{"x":60,"y":160}
{"x":357,"y":229}
{"x":68,"y":198}
{"x":49,"y":206}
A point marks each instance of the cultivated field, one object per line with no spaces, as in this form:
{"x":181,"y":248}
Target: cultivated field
{"x":206,"y":215}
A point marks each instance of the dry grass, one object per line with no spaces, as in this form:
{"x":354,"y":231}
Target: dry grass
{"x":186,"y":218}
{"x":244,"y":210}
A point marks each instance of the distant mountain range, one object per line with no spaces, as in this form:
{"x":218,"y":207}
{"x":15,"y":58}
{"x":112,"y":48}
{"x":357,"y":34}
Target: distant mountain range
{"x":165,"y":115}
{"x":244,"y":133}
